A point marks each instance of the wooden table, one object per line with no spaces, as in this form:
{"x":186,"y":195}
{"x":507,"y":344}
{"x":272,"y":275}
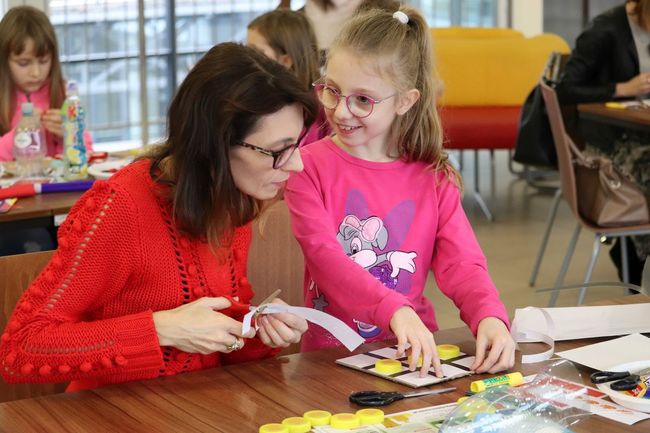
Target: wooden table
{"x":626,"y":118}
{"x":242,"y":397}
{"x":38,"y":211}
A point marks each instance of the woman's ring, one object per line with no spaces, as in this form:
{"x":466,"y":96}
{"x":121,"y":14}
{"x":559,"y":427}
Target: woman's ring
{"x":238,"y":344}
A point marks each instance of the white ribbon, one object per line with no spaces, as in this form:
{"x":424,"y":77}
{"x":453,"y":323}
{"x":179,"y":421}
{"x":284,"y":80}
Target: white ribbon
{"x":342,"y":332}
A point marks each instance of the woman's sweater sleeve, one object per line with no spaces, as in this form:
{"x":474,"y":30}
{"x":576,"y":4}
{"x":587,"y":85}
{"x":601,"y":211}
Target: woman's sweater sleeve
{"x":50,"y":336}
{"x":6,"y":146}
{"x":348,"y":286}
{"x":459,"y":265}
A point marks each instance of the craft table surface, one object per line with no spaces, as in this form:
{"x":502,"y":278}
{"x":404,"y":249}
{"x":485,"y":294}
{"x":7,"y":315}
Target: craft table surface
{"x":242,"y":397}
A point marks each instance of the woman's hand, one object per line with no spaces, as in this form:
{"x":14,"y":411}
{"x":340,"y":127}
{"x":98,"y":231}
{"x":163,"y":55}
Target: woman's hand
{"x":198,"y":327}
{"x":408,"y":328}
{"x":280,"y":329}
{"x":52,"y":121}
{"x":637,"y":86}
{"x":493,"y":335}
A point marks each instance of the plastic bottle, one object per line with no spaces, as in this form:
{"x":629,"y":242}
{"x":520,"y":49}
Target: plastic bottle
{"x":29,"y":143}
{"x":74,"y":124}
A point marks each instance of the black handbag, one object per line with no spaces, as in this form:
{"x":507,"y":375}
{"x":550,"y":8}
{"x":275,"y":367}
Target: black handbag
{"x":534,"y":145}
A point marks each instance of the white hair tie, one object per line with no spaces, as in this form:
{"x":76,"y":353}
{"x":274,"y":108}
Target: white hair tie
{"x":401,"y":17}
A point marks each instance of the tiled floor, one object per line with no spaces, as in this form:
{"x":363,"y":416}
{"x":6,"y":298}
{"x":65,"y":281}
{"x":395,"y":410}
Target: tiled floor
{"x":510,"y":243}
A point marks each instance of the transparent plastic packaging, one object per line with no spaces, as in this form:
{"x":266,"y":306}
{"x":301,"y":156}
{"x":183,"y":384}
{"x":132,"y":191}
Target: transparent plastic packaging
{"x":544,"y":405}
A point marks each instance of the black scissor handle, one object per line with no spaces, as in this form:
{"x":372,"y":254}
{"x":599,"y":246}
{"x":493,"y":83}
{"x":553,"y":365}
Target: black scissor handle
{"x":375,"y":398}
{"x":626,"y":384}
{"x":608,"y":376}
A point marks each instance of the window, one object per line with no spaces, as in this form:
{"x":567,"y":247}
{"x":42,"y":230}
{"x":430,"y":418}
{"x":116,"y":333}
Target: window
{"x":100,"y":48}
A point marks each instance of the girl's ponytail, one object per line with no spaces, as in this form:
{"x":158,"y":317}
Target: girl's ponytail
{"x":399,"y":43}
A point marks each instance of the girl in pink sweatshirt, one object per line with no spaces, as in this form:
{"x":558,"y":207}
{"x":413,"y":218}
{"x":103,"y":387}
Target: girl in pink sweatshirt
{"x":30,"y":72}
{"x":378,"y":205}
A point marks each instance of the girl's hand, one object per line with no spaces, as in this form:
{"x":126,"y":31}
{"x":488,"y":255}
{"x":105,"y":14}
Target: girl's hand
{"x":52,"y":121}
{"x":493,"y":335}
{"x":280,"y":329}
{"x":198,"y":327}
{"x":408,"y":328}
{"x":637,"y":86}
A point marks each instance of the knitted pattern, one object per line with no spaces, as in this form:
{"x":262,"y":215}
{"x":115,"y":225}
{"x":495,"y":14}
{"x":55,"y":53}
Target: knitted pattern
{"x":88,"y":316}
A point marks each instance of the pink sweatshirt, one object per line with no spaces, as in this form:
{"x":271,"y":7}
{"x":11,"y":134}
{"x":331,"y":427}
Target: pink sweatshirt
{"x":371,"y":231}
{"x":40,"y":99}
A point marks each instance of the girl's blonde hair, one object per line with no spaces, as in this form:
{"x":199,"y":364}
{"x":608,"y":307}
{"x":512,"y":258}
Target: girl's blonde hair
{"x":17,"y":26}
{"x":404,"y":54}
{"x":290,"y":33}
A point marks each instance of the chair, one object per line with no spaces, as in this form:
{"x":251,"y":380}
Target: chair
{"x":16,"y":272}
{"x":551,"y":74}
{"x":563,"y":143}
{"x":481,"y":99}
{"x":275,"y":260}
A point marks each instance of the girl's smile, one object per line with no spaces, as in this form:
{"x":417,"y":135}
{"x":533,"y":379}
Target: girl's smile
{"x":364,"y":137}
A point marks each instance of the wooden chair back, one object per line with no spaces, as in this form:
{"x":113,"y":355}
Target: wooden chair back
{"x":275,"y":260}
{"x":16,"y":273}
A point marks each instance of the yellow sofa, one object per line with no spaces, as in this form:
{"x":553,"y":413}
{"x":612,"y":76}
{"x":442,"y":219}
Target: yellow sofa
{"x":486,"y":74}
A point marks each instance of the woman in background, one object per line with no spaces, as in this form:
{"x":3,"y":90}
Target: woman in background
{"x":611,"y":60}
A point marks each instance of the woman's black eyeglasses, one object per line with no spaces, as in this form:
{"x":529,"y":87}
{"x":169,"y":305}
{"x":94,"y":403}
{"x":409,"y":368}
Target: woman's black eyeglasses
{"x":280,"y":157}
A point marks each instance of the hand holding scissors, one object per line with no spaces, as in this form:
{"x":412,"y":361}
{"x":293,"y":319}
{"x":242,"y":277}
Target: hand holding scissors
{"x":379,"y":398}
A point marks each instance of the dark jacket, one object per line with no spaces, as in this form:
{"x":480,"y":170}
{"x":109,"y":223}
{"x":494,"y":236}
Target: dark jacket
{"x":604,"y":55}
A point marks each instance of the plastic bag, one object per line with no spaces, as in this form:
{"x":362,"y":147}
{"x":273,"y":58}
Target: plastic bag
{"x":543,"y":405}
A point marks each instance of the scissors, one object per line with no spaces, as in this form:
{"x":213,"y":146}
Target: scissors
{"x":623,"y":380}
{"x":238,"y":309}
{"x":380,"y":398}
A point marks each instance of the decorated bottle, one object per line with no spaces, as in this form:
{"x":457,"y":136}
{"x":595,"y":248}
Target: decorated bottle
{"x":29,"y":143}
{"x":74,"y":124}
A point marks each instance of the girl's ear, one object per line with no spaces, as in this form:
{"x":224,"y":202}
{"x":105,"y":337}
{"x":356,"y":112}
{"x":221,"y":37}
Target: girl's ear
{"x":407,"y":100}
{"x":285,"y":61}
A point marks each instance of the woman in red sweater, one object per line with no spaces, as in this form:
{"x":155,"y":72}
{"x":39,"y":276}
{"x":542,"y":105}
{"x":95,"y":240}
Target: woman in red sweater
{"x":138,"y":286}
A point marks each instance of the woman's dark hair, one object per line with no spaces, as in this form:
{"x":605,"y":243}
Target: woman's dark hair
{"x":642,"y":11}
{"x":218,"y":104}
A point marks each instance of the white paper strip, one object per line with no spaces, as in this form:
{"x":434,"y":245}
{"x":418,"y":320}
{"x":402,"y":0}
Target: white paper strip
{"x":342,"y":332}
{"x":536,"y":357}
{"x":525,"y":335}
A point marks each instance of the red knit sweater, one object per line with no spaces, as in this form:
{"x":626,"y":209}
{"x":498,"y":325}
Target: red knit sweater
{"x":88,"y":316}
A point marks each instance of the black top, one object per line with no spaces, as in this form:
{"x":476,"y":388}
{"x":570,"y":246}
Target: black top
{"x":605,"y":54}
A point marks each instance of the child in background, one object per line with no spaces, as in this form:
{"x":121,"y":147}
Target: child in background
{"x":378,"y":204}
{"x":287,"y":37}
{"x":30,"y":72}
